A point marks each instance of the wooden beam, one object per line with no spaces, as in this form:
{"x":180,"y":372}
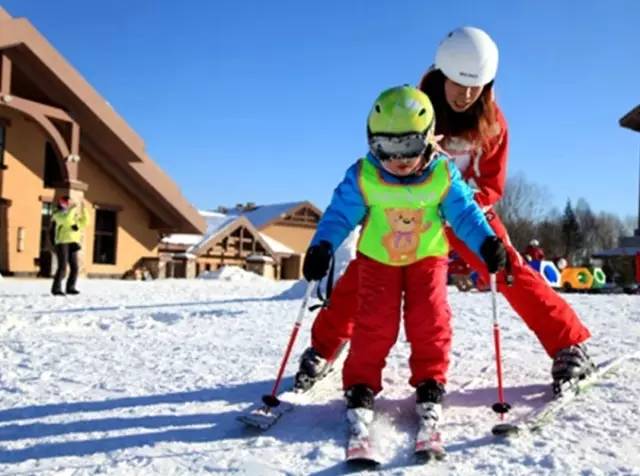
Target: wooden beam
{"x":36,"y":112}
{"x":44,"y":109}
{"x":241,"y":241}
{"x":5,"y":81}
{"x":298,"y":223}
{"x":75,"y":138}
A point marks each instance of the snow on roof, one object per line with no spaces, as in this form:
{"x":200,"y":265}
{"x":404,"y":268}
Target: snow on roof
{"x":275,"y":245}
{"x":215,"y":222}
{"x":181,"y":239}
{"x":263,"y":214}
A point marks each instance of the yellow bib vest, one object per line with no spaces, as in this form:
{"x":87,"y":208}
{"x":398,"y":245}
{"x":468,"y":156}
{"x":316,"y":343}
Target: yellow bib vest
{"x":403,"y":223}
{"x":64,"y":222}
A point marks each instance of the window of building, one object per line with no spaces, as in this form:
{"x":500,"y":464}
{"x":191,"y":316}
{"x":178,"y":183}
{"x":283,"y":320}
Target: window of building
{"x":47,"y":233}
{"x":105,"y":238}
{"x":3,"y":133}
{"x":52,"y":172}
{"x":45,"y":224}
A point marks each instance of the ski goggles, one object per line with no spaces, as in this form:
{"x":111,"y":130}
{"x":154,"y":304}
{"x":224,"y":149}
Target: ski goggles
{"x":406,"y":146}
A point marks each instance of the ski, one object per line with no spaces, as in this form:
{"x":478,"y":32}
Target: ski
{"x":361,"y":452}
{"x":540,"y":416}
{"x":262,"y":416}
{"x":429,"y":446}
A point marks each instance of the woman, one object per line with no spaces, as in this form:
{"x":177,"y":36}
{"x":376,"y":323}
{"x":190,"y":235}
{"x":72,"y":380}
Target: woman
{"x":67,"y":224}
{"x":475,"y":135}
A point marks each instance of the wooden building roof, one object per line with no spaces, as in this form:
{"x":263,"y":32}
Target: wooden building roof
{"x":40,"y":74}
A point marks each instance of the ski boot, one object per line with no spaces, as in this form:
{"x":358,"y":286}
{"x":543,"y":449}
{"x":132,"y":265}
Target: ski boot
{"x":570,"y":365}
{"x":360,"y":450}
{"x":313,"y":367}
{"x":429,"y":409}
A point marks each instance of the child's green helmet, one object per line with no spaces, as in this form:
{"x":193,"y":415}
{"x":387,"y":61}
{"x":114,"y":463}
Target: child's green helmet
{"x":405,"y":115}
{"x":401,"y":110}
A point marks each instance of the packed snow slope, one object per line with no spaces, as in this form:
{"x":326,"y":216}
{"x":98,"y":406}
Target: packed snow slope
{"x":144,"y":378}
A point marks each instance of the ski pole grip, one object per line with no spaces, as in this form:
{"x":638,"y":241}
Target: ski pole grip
{"x":508,"y":274}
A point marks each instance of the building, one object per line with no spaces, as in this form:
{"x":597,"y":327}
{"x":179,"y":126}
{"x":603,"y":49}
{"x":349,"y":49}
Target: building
{"x":627,"y":255}
{"x":58,"y":136}
{"x":268,"y":239}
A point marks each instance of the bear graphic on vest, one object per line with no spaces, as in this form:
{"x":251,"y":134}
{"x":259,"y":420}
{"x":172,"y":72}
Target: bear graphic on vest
{"x":406,"y":227}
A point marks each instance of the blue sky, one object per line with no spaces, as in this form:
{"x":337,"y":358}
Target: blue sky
{"x":266,"y":101}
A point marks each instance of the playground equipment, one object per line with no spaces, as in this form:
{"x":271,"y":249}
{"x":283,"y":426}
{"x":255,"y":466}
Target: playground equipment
{"x":599,"y":278}
{"x":576,"y":278}
{"x":549,"y":272}
{"x":569,"y":279}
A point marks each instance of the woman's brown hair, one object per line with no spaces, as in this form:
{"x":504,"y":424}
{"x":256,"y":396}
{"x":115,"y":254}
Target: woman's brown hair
{"x":476,"y":123}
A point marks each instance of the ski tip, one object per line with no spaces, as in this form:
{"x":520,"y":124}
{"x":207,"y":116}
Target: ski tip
{"x":505,"y":429}
{"x":362,"y":463}
{"x":257,"y":420}
{"x":424,"y":456}
{"x":252,"y":424}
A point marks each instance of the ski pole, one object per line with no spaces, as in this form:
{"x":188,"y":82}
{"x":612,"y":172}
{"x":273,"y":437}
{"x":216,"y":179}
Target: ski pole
{"x":501,"y":407}
{"x":271,"y":400}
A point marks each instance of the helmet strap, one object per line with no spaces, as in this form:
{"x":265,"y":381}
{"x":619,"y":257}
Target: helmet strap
{"x":427,"y":157}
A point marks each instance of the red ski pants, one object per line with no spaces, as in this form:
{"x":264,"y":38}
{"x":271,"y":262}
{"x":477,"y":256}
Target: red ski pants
{"x":381,"y":292}
{"x":542,"y":309}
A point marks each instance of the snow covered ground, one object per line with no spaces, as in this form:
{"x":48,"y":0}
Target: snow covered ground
{"x":142,"y":378}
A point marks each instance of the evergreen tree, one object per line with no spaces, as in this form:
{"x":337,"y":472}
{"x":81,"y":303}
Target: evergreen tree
{"x":571,"y":232}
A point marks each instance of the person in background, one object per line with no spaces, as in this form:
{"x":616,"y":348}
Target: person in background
{"x":534,"y":251}
{"x":67,"y":224}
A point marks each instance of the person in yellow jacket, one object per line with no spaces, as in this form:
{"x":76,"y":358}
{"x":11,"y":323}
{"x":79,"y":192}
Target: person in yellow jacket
{"x":67,"y":224}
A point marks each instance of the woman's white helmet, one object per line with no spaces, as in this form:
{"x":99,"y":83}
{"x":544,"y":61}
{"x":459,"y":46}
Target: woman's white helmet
{"x":468,"y":56}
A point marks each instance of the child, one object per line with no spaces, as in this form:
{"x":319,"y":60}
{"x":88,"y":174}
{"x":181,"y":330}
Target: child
{"x":402,"y":192}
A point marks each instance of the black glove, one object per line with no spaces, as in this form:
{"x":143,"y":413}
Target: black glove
{"x":316,"y":261}
{"x":74,"y":227}
{"x":493,"y":254}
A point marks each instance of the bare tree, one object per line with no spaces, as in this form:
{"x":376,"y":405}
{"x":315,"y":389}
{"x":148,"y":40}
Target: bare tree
{"x":575,"y":233}
{"x":630,"y":224}
{"x":522,"y":200}
{"x":549,"y":234}
{"x":608,"y":229}
{"x":522,"y":206}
